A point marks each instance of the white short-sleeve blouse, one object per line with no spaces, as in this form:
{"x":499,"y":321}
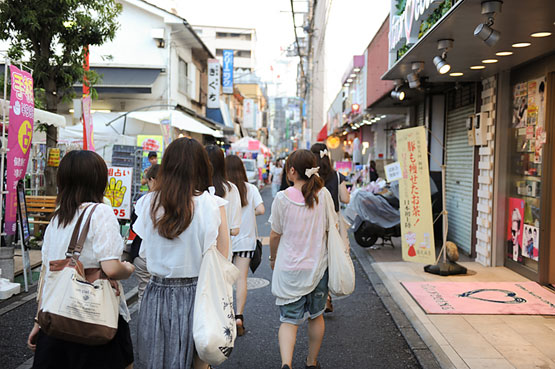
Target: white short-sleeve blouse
{"x":233,"y":207}
{"x":182,"y":256}
{"x":246,"y":239}
{"x":301,"y":259}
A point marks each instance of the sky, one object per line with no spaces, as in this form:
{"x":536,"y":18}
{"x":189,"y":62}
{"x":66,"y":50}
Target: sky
{"x":351,"y":26}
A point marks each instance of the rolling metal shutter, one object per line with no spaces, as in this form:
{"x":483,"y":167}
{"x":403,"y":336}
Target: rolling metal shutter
{"x":459,"y":178}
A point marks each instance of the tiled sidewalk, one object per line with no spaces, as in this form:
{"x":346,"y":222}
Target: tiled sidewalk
{"x":469,"y":341}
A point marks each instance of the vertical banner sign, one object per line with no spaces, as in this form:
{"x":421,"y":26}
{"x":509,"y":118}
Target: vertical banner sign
{"x":213,"y":84}
{"x":118,"y":190}
{"x":227,"y":77}
{"x":417,"y":226}
{"x":248,"y":113}
{"x":20,"y":134}
{"x":88,"y":139}
{"x":166,"y":127}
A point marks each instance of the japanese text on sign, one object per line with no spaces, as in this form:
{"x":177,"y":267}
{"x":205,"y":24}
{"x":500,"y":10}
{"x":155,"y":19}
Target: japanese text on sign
{"x":227,"y":76}
{"x":213,"y":84}
{"x":118,"y":190}
{"x":415,"y":198}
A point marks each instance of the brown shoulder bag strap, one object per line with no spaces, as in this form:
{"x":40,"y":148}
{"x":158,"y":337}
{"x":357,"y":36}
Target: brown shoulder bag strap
{"x":75,"y":233}
{"x":77,"y":247}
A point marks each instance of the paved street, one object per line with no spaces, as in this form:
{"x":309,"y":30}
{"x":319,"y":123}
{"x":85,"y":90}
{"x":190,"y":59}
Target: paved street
{"x":360,"y":333}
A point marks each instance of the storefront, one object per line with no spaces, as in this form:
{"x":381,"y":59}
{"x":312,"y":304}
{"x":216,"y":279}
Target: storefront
{"x":508,"y":174}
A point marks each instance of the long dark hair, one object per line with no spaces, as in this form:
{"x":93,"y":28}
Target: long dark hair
{"x":219,"y":174}
{"x":238,"y":176}
{"x":82,"y":177}
{"x":302,"y":160}
{"x":324,"y":163}
{"x":185,"y":172}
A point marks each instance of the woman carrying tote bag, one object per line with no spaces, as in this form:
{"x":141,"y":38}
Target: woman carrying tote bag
{"x":178,"y":222}
{"x":298,"y":256}
{"x":81,"y":179}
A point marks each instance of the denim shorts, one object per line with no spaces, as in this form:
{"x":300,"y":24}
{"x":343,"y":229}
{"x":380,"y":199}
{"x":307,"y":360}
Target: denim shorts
{"x":309,"y":306}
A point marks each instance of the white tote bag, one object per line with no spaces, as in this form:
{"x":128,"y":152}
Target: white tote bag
{"x":340,"y":266}
{"x":214,"y":328}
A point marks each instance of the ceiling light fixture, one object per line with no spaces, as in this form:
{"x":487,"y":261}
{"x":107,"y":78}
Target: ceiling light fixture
{"x":356,"y":70}
{"x":440,"y":61}
{"x":396,"y":94}
{"x":476,"y":67}
{"x":484,"y":31}
{"x":504,"y":53}
{"x":489,"y":61}
{"x":456,"y":74}
{"x":350,"y":80}
{"x":353,"y":75}
{"x":541,"y":34}
{"x":521,"y":44}
{"x":413,"y":78}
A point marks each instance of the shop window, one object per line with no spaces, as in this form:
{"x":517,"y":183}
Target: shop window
{"x":525,"y":172}
{"x":183,"y":75}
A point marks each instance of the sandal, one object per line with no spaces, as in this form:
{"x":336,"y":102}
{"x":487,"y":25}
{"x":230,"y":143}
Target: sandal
{"x":317,"y":366}
{"x":329,"y":305}
{"x":241,"y":327}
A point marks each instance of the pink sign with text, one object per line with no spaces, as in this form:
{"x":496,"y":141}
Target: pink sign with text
{"x":20,"y":134}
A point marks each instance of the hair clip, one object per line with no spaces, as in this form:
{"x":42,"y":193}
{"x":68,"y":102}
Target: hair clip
{"x":310,"y":172}
{"x":323,"y":153}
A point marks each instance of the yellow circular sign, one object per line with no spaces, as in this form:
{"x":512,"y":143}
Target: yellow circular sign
{"x":25,"y":135}
{"x":333,"y":142}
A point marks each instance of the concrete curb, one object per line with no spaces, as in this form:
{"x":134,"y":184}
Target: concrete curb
{"x":422,"y":352}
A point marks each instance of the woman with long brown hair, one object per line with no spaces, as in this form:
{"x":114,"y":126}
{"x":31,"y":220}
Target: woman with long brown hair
{"x":82,"y":177}
{"x":298,"y":256}
{"x":177,"y":221}
{"x":225,"y":189}
{"x":244,"y":244}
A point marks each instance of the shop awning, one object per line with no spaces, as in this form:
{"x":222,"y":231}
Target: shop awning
{"x":179,"y":120}
{"x":41,"y":116}
{"x":220,"y":115}
{"x":247,"y":144}
{"x":125,"y":80}
{"x":323,"y":134}
{"x":517,"y":21}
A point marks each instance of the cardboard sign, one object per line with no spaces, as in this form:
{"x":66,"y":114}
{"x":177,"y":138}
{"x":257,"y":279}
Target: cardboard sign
{"x":417,"y":227}
{"x":393,"y":172}
{"x":118,"y":190}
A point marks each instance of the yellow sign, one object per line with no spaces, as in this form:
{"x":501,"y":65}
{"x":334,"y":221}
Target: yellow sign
{"x":333,"y":142}
{"x":53,"y":157}
{"x":417,"y":226}
{"x":25,"y":135}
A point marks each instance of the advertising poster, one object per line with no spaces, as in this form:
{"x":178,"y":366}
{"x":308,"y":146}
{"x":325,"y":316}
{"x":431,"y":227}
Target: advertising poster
{"x":150,"y":143}
{"x":213,"y":84}
{"x":166,"y":127}
{"x":344,"y":167}
{"x":88,"y":139}
{"x":417,"y":227}
{"x":515,"y":228}
{"x":249,"y":114}
{"x":118,"y":190}
{"x":520,"y":105}
{"x":530,"y":242}
{"x":227,"y":76}
{"x":20,"y":134}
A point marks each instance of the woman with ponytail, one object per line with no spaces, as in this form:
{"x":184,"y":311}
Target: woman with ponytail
{"x":298,"y":256}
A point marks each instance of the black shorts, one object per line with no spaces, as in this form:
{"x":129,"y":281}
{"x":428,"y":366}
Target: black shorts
{"x":244,"y":254}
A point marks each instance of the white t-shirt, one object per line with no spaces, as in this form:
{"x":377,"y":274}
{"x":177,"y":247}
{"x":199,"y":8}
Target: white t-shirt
{"x":302,"y":256}
{"x":246,"y":239}
{"x":103,"y":242}
{"x":182,"y":256}
{"x":276,"y":174}
{"x":233,"y":207}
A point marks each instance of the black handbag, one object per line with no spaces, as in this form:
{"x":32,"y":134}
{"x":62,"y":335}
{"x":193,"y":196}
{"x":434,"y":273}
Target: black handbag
{"x":257,"y":257}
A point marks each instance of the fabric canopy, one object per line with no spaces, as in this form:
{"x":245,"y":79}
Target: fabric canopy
{"x":178,"y":120}
{"x":250,"y":144}
{"x":323,"y":134}
{"x":41,"y":116}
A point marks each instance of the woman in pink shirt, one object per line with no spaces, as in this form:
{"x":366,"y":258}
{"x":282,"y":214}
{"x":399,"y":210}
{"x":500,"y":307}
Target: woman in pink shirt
{"x":298,"y":256}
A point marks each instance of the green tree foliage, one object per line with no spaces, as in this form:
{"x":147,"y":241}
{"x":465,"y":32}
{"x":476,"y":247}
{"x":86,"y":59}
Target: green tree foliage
{"x":49,"y":36}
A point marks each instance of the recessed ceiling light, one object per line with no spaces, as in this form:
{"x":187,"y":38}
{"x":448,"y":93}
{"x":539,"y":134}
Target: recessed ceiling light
{"x":456,"y":74}
{"x":522,"y":44}
{"x":541,"y":34}
{"x":353,"y":75}
{"x":504,"y":53}
{"x":350,"y":80}
{"x":489,"y":61}
{"x":477,"y":67}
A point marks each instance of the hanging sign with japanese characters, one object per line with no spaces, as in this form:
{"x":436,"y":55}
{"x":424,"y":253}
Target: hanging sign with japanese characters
{"x":417,"y":226}
{"x":249,"y":110}
{"x":213,"y":84}
{"x":20,"y":134}
{"x":118,"y":190}
{"x":227,"y":77}
{"x":88,"y":134}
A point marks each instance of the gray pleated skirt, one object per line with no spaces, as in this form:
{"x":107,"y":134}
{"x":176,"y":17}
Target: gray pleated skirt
{"x":165,"y":330}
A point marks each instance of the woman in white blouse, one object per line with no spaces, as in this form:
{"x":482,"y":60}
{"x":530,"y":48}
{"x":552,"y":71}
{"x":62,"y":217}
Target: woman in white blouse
{"x":225,"y":189}
{"x":244,"y":244}
{"x":178,"y":222}
{"x":82,"y":177}
{"x":298,"y":256}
